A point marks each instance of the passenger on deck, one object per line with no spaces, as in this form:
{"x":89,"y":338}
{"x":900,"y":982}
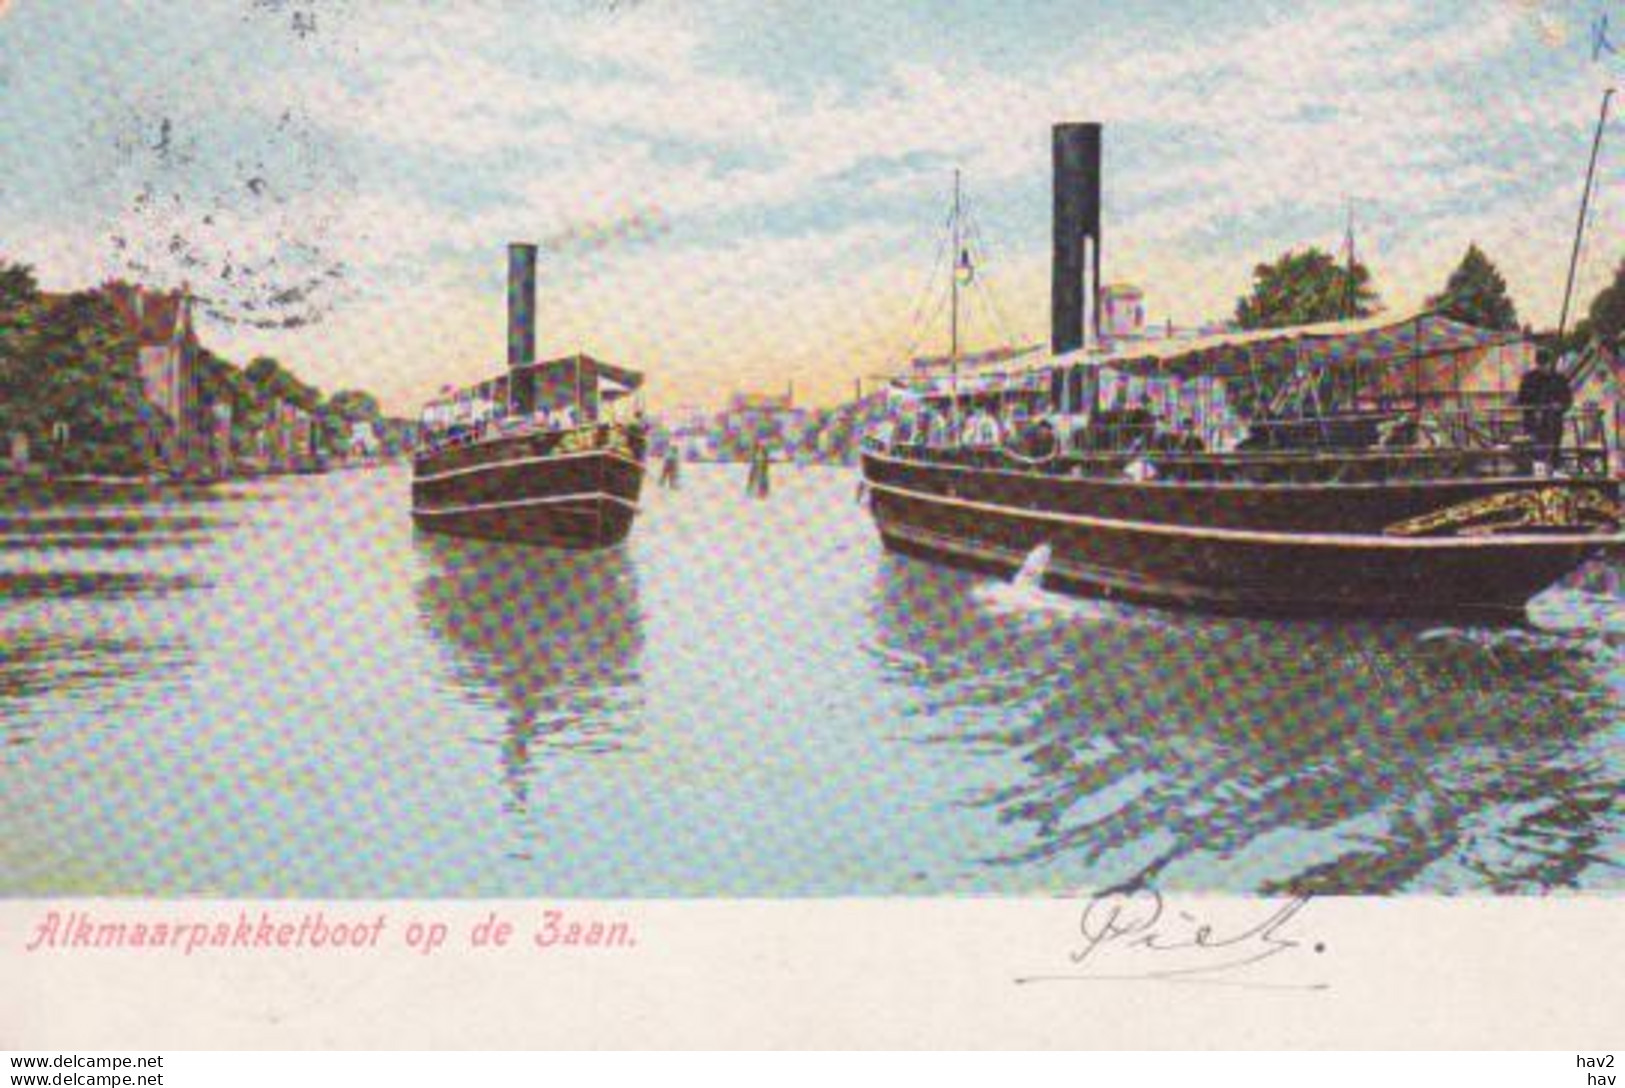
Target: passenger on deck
{"x":1139,"y":426}
{"x":940,"y":431}
{"x":1039,"y":441}
{"x":1545,"y":397}
{"x":981,"y":430}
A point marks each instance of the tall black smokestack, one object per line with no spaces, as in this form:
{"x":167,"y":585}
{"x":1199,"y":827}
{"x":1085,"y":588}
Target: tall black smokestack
{"x":521,"y":304}
{"x":1077,"y":234}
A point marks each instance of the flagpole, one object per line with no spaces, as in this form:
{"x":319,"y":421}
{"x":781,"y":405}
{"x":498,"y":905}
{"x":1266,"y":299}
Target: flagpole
{"x":953,"y":327}
{"x":1349,"y":298}
{"x":1580,"y":225}
{"x":953,"y":330}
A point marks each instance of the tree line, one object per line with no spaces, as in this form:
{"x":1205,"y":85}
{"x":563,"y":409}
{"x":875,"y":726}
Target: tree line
{"x":1307,"y":286}
{"x":70,"y":381}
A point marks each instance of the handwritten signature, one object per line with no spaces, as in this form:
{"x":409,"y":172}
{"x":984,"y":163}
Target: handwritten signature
{"x":1134,"y":936}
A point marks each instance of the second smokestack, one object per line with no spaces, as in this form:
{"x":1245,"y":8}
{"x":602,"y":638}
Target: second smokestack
{"x":1077,"y":234}
{"x":521,"y":304}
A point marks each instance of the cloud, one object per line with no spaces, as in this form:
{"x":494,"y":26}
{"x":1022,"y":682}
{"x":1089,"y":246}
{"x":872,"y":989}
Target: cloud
{"x":1297,"y":112}
{"x":802,"y":211}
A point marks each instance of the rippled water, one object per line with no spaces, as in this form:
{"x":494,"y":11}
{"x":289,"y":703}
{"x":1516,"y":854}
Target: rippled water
{"x":283,"y":690}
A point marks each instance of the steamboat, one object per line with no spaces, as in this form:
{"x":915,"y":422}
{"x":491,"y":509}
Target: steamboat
{"x":1373,"y":467}
{"x":549,"y":453}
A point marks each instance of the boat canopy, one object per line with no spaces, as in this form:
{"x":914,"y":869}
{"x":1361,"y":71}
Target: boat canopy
{"x":577,"y":382}
{"x":967,"y":361}
{"x":1366,"y":342}
{"x":613,"y":381}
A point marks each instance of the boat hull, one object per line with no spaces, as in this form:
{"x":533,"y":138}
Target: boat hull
{"x":1301,"y":550}
{"x":577,"y":490}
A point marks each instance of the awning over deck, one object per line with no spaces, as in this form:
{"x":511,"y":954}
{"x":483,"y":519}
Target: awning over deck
{"x":1373,"y":341}
{"x":609,"y":382}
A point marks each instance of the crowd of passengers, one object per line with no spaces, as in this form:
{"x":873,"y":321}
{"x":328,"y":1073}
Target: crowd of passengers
{"x":1128,"y":430}
{"x":1543,"y":400}
{"x":486,"y":425}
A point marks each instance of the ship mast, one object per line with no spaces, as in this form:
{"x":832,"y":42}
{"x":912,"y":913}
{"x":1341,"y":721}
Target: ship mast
{"x":1349,"y":296}
{"x":953,"y":277}
{"x":1580,"y":224}
{"x":953,"y":320}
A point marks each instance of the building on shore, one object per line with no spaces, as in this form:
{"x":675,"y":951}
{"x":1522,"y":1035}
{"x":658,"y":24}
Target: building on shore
{"x":160,"y":324}
{"x":289,"y":438}
{"x":167,"y":350}
{"x":752,"y":418}
{"x":1122,"y":312}
{"x":690,"y":429}
{"x":363,"y":442}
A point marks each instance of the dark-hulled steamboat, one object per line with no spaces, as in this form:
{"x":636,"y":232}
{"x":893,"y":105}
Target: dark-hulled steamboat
{"x":1364,"y":467}
{"x":549,"y":453}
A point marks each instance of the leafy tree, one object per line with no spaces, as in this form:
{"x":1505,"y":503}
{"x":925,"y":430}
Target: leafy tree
{"x":82,"y":372}
{"x":272,"y":381}
{"x":354,"y":406}
{"x":17,"y":287}
{"x":1476,"y":293}
{"x":220,"y":382}
{"x":19,"y":313}
{"x":341,"y":410}
{"x":1605,"y":320}
{"x":1301,"y":288}
{"x":70,"y":363}
{"x":70,"y":360}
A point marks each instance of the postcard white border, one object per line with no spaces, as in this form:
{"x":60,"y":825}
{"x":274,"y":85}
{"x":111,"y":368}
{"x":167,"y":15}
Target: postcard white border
{"x":1400,"y":973}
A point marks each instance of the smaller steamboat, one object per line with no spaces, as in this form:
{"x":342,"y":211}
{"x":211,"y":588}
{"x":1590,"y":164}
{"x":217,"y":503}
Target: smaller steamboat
{"x":549,"y":453}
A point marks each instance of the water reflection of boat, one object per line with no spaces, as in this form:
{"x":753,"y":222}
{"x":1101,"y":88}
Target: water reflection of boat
{"x":1302,"y":757}
{"x":553,"y":639}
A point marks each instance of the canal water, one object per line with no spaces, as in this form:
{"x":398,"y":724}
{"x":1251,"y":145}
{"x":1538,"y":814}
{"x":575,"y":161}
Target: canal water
{"x":283,"y":690}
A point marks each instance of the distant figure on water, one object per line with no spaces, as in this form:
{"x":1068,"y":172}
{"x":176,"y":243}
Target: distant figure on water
{"x":1545,"y":397}
{"x":757,"y":484}
{"x":671,"y":467}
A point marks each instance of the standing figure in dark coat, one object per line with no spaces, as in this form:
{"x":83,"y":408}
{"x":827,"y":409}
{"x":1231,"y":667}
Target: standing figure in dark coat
{"x":1545,"y":397}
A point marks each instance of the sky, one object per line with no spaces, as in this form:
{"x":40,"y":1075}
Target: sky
{"x":743,"y":194}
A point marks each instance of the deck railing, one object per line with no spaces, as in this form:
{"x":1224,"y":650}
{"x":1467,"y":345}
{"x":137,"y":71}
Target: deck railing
{"x":473,"y":434}
{"x":1367,"y":447}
